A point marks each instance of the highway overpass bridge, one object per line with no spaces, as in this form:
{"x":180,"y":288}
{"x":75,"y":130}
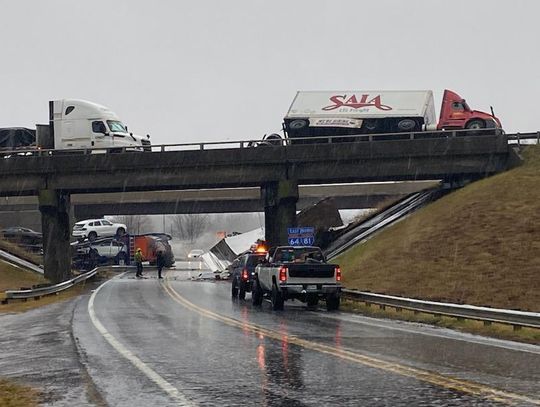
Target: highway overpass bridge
{"x":24,"y":210}
{"x":277,"y":170}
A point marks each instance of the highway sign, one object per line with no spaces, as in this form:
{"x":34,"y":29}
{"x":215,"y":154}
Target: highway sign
{"x":304,"y":236}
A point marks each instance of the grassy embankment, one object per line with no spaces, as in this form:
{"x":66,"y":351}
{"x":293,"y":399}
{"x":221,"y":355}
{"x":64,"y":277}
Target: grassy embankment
{"x":14,"y":278}
{"x":20,"y":252}
{"x":479,"y":245}
{"x":15,"y":395}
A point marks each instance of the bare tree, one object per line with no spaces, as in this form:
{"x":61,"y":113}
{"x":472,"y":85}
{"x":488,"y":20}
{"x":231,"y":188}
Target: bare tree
{"x":189,"y":226}
{"x":135,"y":224}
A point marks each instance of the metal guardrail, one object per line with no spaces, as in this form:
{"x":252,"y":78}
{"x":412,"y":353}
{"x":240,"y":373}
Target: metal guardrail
{"x":276,"y":142}
{"x":487,"y":315}
{"x":53,"y":289}
{"x":15,"y":260}
{"x":373,"y":225}
{"x":524,"y":136}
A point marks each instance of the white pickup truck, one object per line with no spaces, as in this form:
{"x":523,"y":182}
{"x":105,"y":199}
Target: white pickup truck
{"x":301,"y":273}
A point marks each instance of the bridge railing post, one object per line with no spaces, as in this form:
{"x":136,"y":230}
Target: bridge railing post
{"x":280,"y":200}
{"x":55,"y":210}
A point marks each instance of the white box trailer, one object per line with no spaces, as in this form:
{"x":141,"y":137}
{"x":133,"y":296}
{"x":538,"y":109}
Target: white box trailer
{"x":369,"y":111}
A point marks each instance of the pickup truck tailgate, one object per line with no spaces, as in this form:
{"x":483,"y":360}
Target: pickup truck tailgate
{"x":306,"y":271}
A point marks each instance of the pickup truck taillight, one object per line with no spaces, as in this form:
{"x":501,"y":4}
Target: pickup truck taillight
{"x":338,"y":274}
{"x":245,"y":275}
{"x":283,"y":274}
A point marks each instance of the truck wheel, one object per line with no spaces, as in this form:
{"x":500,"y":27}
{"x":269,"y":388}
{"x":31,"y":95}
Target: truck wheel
{"x":120,"y":232}
{"x":475,"y":125}
{"x":312,"y":301}
{"x":298,"y":124}
{"x":332,"y":302}
{"x":256,"y":293}
{"x":234,"y":288}
{"x":407,"y":125}
{"x":277,"y":299}
{"x":242,"y":290}
{"x":370,"y":124}
{"x":92,"y":236}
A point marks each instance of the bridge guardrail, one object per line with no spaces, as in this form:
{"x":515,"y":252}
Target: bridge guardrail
{"x":212,"y":145}
{"x":487,"y":315}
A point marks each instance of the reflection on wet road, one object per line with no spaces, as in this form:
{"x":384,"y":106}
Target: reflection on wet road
{"x":218,"y":352}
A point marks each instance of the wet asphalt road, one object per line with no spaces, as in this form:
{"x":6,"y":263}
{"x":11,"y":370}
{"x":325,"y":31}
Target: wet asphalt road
{"x":185,"y":342}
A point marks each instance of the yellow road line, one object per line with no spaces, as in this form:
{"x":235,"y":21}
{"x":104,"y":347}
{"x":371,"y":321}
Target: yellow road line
{"x":419,"y":374}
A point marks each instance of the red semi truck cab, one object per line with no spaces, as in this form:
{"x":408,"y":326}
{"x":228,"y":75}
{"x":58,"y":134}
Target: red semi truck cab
{"x":456,"y":114}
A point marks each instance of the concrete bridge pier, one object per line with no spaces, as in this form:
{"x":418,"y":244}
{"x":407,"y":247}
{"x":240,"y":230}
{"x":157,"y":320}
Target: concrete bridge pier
{"x":279,"y":210}
{"x":55,"y":207}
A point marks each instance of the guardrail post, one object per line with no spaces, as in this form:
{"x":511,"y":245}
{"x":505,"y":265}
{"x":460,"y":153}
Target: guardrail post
{"x":55,"y":209}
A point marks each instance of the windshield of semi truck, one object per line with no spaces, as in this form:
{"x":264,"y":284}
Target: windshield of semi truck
{"x":115,"y":125}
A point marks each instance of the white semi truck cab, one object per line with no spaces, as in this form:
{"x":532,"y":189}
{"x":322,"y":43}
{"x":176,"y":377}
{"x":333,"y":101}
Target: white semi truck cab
{"x":78,"y":124}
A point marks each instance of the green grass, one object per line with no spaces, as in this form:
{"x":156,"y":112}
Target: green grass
{"x":479,"y":245}
{"x":16,"y":395}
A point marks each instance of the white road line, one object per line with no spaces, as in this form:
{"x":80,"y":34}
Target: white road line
{"x":172,"y":391}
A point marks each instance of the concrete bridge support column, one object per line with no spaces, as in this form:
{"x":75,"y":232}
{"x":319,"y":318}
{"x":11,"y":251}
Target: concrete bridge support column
{"x":279,"y":210}
{"x":55,"y":208}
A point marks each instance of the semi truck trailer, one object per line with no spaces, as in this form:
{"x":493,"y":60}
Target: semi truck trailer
{"x":329,"y":113}
{"x":74,"y":124}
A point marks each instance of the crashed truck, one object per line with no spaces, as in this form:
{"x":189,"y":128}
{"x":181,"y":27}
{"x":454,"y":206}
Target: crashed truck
{"x":356,"y":112}
{"x":121,"y":250}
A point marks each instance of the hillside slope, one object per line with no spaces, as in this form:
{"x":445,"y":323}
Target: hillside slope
{"x":479,"y":245}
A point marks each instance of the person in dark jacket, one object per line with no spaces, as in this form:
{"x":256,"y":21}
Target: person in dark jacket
{"x":160,"y":262}
{"x":138,"y":262}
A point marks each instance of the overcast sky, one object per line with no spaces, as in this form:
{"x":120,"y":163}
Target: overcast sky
{"x":215,"y":70}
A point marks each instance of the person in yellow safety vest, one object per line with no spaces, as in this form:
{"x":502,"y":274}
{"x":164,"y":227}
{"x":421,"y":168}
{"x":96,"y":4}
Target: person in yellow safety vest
{"x":138,"y":262}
